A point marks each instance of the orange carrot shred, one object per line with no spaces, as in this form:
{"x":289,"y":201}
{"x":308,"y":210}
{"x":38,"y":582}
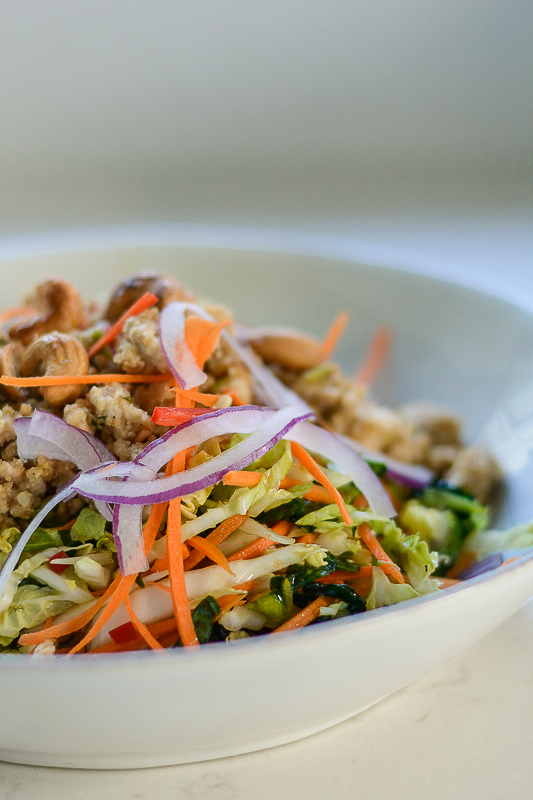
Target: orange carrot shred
{"x":202,"y":337}
{"x":141,"y":628}
{"x":142,"y":304}
{"x":252,"y":550}
{"x":317,"y":494}
{"x":345,"y":576}
{"x":387,"y":564}
{"x":211,"y":551}
{"x":216,"y":537}
{"x":462,"y":562}
{"x":166,"y":416}
{"x":17,"y":311}
{"x":306,"y":538}
{"x":305,"y":616}
{"x":374,"y":358}
{"x":309,"y":463}
{"x":333,"y":335}
{"x":282,"y":528}
{"x":81,"y":380}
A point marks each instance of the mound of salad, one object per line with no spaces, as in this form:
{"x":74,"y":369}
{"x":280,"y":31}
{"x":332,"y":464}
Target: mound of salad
{"x":170,"y":477}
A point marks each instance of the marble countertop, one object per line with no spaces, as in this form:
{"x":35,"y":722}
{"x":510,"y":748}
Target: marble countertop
{"x":463,"y":731}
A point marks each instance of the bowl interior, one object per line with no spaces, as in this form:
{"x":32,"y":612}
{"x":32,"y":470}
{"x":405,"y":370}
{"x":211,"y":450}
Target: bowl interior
{"x":466,"y":350}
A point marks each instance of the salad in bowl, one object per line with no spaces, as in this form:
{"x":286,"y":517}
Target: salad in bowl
{"x":174,"y":477}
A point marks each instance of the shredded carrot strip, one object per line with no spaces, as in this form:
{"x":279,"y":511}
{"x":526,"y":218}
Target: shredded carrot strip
{"x":309,"y":463}
{"x":305,"y":616}
{"x":81,"y":380}
{"x":252,"y":550}
{"x":444,"y":583}
{"x":282,"y":528}
{"x":216,"y":537}
{"x":387,"y":564}
{"x":333,"y":335}
{"x":307,"y":538}
{"x":202,"y":337}
{"x":345,"y":576}
{"x":125,"y":582}
{"x":509,"y":561}
{"x":196,"y":397}
{"x":360,"y":502}
{"x":142,"y":304}
{"x":375,"y":357}
{"x":235,"y":397}
{"x":237,"y":477}
{"x":166,"y":416}
{"x":163,"y":587}
{"x":141,"y":628}
{"x":229,"y":601}
{"x":180,"y":601}
{"x":317,"y":494}
{"x":211,"y":551}
{"x":463,"y":561}
{"x":17,"y":311}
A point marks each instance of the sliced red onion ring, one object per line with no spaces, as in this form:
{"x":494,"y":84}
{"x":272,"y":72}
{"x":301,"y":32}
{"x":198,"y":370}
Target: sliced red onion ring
{"x":340,"y":453}
{"x":128,"y":536}
{"x":275,"y":425}
{"x":242,"y":419}
{"x":172,"y":335}
{"x":269,"y":389}
{"x":82,"y":449}
{"x":44,"y":434}
{"x":64,"y":493}
{"x":128,"y":531}
{"x":412,"y":475}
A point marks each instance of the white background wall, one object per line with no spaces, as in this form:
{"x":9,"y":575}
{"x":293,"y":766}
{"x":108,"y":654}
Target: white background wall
{"x":399,"y":121}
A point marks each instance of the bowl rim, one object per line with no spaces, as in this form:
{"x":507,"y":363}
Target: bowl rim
{"x":257,"y":644}
{"x":341,"y":249}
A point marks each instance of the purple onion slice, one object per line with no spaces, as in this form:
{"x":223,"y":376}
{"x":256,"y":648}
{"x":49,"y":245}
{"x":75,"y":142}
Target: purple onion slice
{"x":44,"y":434}
{"x":172,"y":335}
{"x":349,"y":461}
{"x":64,"y":493}
{"x":275,"y":425}
{"x":414,"y":476}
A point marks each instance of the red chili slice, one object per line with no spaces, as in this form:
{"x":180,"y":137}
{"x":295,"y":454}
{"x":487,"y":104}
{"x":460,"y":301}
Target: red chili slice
{"x":58,"y":568}
{"x":124,"y":633}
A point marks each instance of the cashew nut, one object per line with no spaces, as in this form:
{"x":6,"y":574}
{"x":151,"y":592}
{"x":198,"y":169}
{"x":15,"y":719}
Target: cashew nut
{"x":10,"y":357}
{"x":56,"y":354}
{"x":165,"y":287}
{"x":60,"y":309}
{"x":289,"y":349}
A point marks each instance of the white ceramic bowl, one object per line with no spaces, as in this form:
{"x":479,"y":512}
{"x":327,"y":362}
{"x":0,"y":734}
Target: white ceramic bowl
{"x":453,"y":344}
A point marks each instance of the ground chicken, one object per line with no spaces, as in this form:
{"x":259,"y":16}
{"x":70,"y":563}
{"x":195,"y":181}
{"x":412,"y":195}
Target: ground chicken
{"x":138,"y":347}
{"x":124,"y":427}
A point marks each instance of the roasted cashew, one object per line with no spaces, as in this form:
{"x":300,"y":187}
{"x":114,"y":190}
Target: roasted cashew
{"x":60,"y":309}
{"x":10,"y":357}
{"x":165,"y":287}
{"x":56,"y":354}
{"x":289,"y":349}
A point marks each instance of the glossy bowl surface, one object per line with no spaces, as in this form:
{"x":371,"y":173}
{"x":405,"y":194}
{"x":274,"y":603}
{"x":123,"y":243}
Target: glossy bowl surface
{"x":458,"y":345}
